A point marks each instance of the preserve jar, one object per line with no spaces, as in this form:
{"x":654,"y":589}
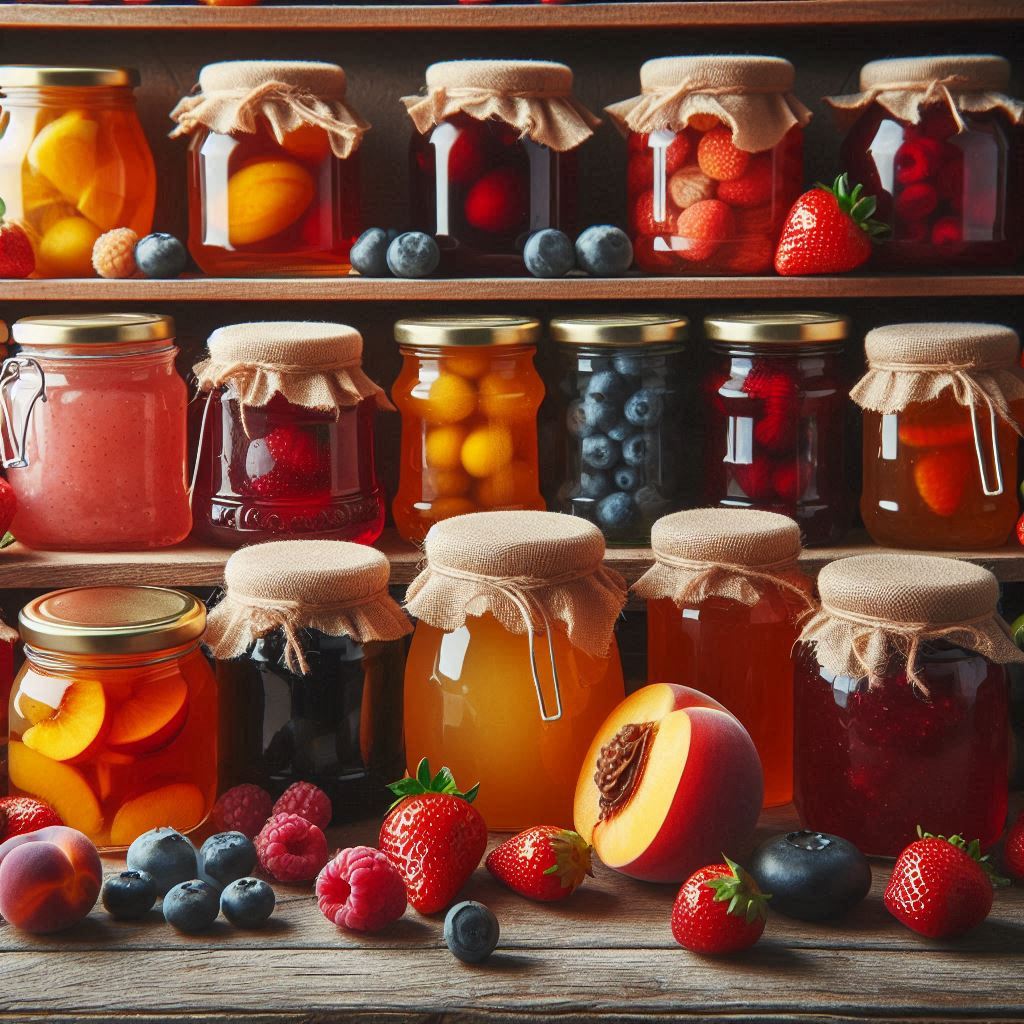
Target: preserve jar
{"x":100,"y":463}
{"x":74,"y":161}
{"x":113,"y":715}
{"x":273,"y":178}
{"x":284,"y":428}
{"x":776,"y":428}
{"x":623,"y":405}
{"x":310,"y":662}
{"x":938,"y":143}
{"x":902,"y":701}
{"x":715,"y":161}
{"x":8,"y":640}
{"x":513,"y":665}
{"x":493,"y":159}
{"x":723,"y":598}
{"x":941,"y":408}
{"x":469,"y":396}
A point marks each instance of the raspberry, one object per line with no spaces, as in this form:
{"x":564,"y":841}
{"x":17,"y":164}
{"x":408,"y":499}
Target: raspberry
{"x":766,"y":381}
{"x":719,"y":158}
{"x":690,"y":185}
{"x":242,"y":809}
{"x":753,"y":187}
{"x":360,"y":889}
{"x":307,"y":801}
{"x":916,"y":160}
{"x":113,"y":254}
{"x":776,"y":428}
{"x":291,"y":849}
{"x":916,"y":201}
{"x":947,"y":231}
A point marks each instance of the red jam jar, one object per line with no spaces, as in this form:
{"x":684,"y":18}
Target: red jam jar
{"x":715,"y":162}
{"x":493,"y":159}
{"x":284,"y":436}
{"x":902,"y":703}
{"x":938,"y":143}
{"x":776,"y":426}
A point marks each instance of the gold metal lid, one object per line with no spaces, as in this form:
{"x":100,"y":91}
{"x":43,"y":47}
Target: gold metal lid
{"x":92,"y":329}
{"x":112,"y":620}
{"x":38,"y":75}
{"x":778,"y":328}
{"x":468,"y":330}
{"x":620,"y":329}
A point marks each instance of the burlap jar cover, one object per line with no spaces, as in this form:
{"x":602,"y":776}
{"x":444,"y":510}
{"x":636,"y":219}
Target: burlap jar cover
{"x":338,"y":588}
{"x":530,"y":570}
{"x":234,"y":96}
{"x":752,"y":95}
{"x":736,"y":554}
{"x":534,"y":97}
{"x":968,"y":83}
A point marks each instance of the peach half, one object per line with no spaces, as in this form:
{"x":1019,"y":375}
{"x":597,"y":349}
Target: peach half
{"x":671,"y":782}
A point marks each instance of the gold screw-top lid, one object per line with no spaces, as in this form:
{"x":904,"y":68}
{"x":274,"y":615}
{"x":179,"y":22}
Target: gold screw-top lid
{"x":39,"y":75}
{"x":112,"y":620}
{"x":617,"y":329}
{"x":435,"y":331}
{"x":778,"y":328}
{"x":92,"y":329}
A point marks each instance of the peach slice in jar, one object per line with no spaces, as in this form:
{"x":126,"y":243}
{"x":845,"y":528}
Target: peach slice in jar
{"x":76,"y":727}
{"x":64,"y":788}
{"x":151,"y":717}
{"x":179,"y":805}
{"x":64,"y":152}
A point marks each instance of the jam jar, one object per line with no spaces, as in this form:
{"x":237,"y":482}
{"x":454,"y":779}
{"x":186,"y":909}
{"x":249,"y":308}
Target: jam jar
{"x":284,"y":428}
{"x":715,"y":161}
{"x":113,"y":715}
{"x":100,"y":463}
{"x":273,"y":177}
{"x":469,"y":396}
{"x":902,"y":703}
{"x":310,"y":662}
{"x":941,"y":422}
{"x":622,"y":407}
{"x":776,"y":429}
{"x":493,"y":159}
{"x":513,"y":665}
{"x":74,"y":161}
{"x":938,"y":143}
{"x":723,"y":599}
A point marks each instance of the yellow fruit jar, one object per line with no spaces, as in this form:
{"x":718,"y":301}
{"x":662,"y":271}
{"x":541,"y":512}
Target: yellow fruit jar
{"x":469,"y":395}
{"x":113,"y":717}
{"x":74,"y":161}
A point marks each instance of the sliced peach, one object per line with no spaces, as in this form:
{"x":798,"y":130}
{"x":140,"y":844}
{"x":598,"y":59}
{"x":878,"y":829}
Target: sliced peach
{"x":64,"y":788}
{"x":39,"y":696}
{"x":75,"y":727}
{"x":151,"y":717}
{"x":179,"y":805}
{"x":64,"y":153}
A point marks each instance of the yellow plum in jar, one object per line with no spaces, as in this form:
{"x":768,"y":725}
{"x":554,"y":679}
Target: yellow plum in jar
{"x":443,"y":446}
{"x":65,"y":250}
{"x":64,"y":153}
{"x":449,"y":400}
{"x":487,"y":449}
{"x":265,"y":198}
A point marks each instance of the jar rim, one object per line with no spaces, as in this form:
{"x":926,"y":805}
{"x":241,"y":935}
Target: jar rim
{"x":438,"y":331}
{"x":619,"y":329}
{"x":40,"y":75}
{"x":787,"y":328}
{"x":92,"y":329}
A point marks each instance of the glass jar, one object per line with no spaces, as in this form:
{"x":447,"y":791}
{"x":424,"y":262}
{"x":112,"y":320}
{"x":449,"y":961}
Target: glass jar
{"x":100,"y":464}
{"x":469,"y":396}
{"x":776,"y":419}
{"x":622,"y":408}
{"x":74,"y":161}
{"x":113,"y":715}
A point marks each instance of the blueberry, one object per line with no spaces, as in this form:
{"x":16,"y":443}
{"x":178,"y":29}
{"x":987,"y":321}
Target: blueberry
{"x":129,"y":895}
{"x":616,"y":511}
{"x":626,"y":478}
{"x":604,"y":251}
{"x":549,"y":253}
{"x":166,"y":855}
{"x":369,"y":254}
{"x":600,"y":414}
{"x":607,"y":386}
{"x":227,"y":856}
{"x":160,"y":255}
{"x":634,"y":450}
{"x":413,"y":254}
{"x":651,"y":503}
{"x":629,"y":366}
{"x":247,"y":902}
{"x":593,"y":484}
{"x":471,"y":932}
{"x":600,"y":452}
{"x":576,"y":420}
{"x":644,"y":408}
{"x":191,"y":906}
{"x":621,"y":431}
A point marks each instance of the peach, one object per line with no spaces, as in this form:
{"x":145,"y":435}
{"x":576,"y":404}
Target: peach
{"x":179,"y":805}
{"x":49,"y":880}
{"x":150,"y":718}
{"x":75,"y":728}
{"x":671,"y":781}
{"x":64,"y":788}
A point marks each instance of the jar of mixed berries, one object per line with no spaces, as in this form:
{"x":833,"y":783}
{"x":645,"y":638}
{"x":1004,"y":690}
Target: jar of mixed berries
{"x":937,"y":141}
{"x":273,"y":177}
{"x":493,"y":158}
{"x":623,"y":408}
{"x":776,"y":428}
{"x":715,"y":162}
{"x":942,"y":405}
{"x":902,"y":703}
{"x":284,"y":428}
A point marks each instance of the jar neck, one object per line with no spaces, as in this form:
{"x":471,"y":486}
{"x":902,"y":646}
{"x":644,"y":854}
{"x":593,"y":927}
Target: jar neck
{"x":62,"y":662}
{"x":667,"y":348}
{"x":752,"y":351}
{"x":136,"y":352}
{"x":489,"y":351}
{"x":113,"y":97}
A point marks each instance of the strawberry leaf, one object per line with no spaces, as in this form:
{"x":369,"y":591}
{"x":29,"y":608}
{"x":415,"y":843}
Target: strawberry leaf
{"x":8,"y":538}
{"x":442,"y":783}
{"x":3,"y":209}
{"x":741,"y":891}
{"x":858,"y":207}
{"x":973,"y":850}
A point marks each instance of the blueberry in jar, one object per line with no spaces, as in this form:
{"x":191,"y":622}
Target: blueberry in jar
{"x":600,"y":451}
{"x":626,"y":478}
{"x":594,"y":484}
{"x":607,"y":386}
{"x":635,"y":450}
{"x":644,"y":408}
{"x":615,"y":512}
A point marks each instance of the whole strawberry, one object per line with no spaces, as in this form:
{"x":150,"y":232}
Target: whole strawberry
{"x":1013,"y":852}
{"x":22,"y":814}
{"x":719,"y":909}
{"x":544,"y":863}
{"x":941,"y":887}
{"x":434,"y":836}
{"x":16,"y":256}
{"x":828,"y":231}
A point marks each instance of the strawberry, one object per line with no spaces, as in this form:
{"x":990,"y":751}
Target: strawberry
{"x":22,"y":814}
{"x":8,"y":506}
{"x":718,"y":157}
{"x":941,"y":887}
{"x":16,"y":256}
{"x":705,"y":225}
{"x":295,"y":451}
{"x":676,"y":153}
{"x":764,"y":380}
{"x":754,"y":478}
{"x":434,"y":836}
{"x":941,"y":478}
{"x":544,"y":863}
{"x":642,"y":221}
{"x":719,"y":909}
{"x":828,"y":231}
{"x":640,"y":173}
{"x":499,"y":202}
{"x":1013,"y":851}
{"x":753,"y":187}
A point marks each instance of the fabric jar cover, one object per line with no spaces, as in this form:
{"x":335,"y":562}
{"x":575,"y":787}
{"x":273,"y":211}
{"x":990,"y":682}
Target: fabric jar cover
{"x":752,"y":95}
{"x":234,"y":95}
{"x":535,"y":97}
{"x":527,"y":569}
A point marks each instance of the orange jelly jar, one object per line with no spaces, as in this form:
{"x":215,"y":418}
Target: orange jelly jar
{"x":113,"y":717}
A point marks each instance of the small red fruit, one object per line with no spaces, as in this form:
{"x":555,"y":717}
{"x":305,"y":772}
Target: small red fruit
{"x":640,"y":172}
{"x":941,"y":478}
{"x":916,"y":160}
{"x":1013,"y":851}
{"x":545,"y":863}
{"x":291,"y":849}
{"x":947,"y":231}
{"x":361,"y":890}
{"x":466,"y":158}
{"x":676,"y":153}
{"x":705,"y":225}
{"x":20,"y":815}
{"x":917,"y":201}
{"x":498,"y":202}
{"x":295,"y":450}
{"x":753,"y":188}
{"x":307,"y":801}
{"x":718,"y":157}
{"x":754,"y":478}
{"x":244,"y":809}
{"x":16,"y":256}
{"x":643,"y":223}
